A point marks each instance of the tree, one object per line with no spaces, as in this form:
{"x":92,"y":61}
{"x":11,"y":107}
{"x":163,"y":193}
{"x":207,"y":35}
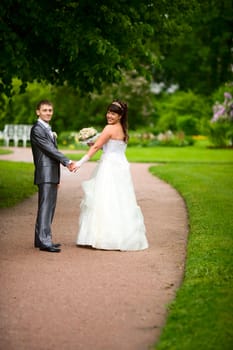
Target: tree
{"x":82,"y":43}
{"x":201,"y":59}
{"x":73,"y":111}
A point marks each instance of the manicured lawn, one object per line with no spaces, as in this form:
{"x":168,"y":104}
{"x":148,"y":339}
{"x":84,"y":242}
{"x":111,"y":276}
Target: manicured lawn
{"x":5,"y":151}
{"x":201,"y":316}
{"x":199,"y":153}
{"x":180,"y":154}
{"x":16,"y":182}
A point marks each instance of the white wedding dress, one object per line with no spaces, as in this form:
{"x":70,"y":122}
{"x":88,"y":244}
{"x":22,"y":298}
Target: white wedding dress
{"x":110,"y":217}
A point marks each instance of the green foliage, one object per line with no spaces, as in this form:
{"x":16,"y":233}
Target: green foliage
{"x":86,"y":44}
{"x":20,"y":109}
{"x":14,"y":189}
{"x":221,"y":133}
{"x":200,"y":58}
{"x":67,"y":139}
{"x":188,"y":125}
{"x":182,"y":111}
{"x":135,"y":90}
{"x":177,"y":140}
{"x":138,"y":139}
{"x":148,"y":139}
{"x":201,"y":315}
{"x":220,"y":130}
{"x":70,"y":109}
{"x":218,"y":94}
{"x":73,"y":111}
{"x":81,"y":43}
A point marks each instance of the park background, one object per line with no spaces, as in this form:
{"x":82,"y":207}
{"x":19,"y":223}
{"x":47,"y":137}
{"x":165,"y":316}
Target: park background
{"x":172,"y":62}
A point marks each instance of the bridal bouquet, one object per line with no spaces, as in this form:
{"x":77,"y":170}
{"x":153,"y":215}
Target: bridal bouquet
{"x":87,"y":135}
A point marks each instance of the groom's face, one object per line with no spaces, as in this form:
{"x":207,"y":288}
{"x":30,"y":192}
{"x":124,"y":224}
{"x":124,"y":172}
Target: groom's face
{"x":45,"y":113}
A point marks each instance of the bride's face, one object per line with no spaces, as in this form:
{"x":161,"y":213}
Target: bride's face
{"x":113,"y":117}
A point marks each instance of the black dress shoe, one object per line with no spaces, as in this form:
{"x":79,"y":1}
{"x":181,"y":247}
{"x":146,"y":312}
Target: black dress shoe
{"x":56,"y":245}
{"x":51,"y":249}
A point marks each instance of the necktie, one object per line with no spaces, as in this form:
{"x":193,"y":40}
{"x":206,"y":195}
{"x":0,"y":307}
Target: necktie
{"x":50,"y":131}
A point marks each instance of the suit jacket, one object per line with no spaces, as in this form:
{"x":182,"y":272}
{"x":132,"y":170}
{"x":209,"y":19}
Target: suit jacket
{"x":46,"y":156}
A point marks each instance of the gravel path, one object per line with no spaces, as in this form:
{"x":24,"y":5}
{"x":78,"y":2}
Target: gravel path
{"x":82,"y":299}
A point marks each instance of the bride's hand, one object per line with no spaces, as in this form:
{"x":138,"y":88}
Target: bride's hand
{"x":77,"y":166}
{"x":80,"y":162}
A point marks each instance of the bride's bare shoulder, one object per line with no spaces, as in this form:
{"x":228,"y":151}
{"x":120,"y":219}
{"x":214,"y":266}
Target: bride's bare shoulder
{"x":109,"y":128}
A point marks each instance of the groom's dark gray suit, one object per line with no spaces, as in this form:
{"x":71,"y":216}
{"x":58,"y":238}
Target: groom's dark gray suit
{"x":47,"y":161}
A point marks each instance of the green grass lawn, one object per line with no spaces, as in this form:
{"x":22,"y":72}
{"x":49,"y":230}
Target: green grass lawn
{"x":5,"y":151}
{"x":200,"y":318}
{"x":191,"y":154}
{"x":16,"y":182}
{"x":180,"y":154}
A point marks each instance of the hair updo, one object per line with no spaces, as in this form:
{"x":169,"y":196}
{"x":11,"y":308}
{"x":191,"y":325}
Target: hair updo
{"x":121,"y":108}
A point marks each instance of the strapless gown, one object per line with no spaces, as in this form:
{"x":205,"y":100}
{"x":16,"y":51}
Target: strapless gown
{"x":110,"y":217}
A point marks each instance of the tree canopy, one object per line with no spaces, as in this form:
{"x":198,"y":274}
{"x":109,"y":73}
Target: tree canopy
{"x":201,"y":59}
{"x":83,"y":43}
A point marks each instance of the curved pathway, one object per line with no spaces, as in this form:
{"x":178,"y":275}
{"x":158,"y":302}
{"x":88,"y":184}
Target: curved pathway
{"x":83,"y":298}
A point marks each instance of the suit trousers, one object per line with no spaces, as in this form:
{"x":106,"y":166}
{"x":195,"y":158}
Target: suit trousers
{"x":47,"y":198}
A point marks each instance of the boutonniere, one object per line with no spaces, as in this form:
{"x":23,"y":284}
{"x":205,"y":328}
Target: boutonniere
{"x":55,"y":134}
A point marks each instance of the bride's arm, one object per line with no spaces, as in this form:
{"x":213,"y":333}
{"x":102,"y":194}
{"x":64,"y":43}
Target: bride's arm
{"x":102,"y":139}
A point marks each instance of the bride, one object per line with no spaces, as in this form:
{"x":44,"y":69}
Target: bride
{"x":110,"y":217}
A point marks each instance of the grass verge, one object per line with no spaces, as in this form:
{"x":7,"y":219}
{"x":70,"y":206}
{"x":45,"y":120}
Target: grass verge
{"x":201,"y":316}
{"x":16,"y":182}
{"x":5,"y":151}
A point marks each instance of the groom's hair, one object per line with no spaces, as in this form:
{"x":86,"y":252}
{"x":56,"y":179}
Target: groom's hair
{"x":43,"y":102}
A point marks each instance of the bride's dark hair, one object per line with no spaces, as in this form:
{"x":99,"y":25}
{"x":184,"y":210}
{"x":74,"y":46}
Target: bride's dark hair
{"x":121,"y":108}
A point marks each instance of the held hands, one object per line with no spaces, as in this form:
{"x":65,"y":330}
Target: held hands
{"x":72,"y":167}
{"x":77,"y":167}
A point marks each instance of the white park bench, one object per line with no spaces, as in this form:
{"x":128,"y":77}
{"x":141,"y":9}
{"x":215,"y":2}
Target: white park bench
{"x":16,"y":133}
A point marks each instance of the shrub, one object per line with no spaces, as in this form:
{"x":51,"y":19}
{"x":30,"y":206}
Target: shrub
{"x":68,"y":139}
{"x":221,"y":124}
{"x":182,"y":111}
{"x":168,"y":138}
{"x":188,"y":125}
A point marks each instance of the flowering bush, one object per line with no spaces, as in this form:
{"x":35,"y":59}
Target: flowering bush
{"x":168,"y":138}
{"x":221,"y":124}
{"x":178,"y":139}
{"x":223,"y":111}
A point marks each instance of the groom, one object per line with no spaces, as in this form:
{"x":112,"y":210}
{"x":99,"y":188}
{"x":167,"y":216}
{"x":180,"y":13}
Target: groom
{"x":47,"y":161}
